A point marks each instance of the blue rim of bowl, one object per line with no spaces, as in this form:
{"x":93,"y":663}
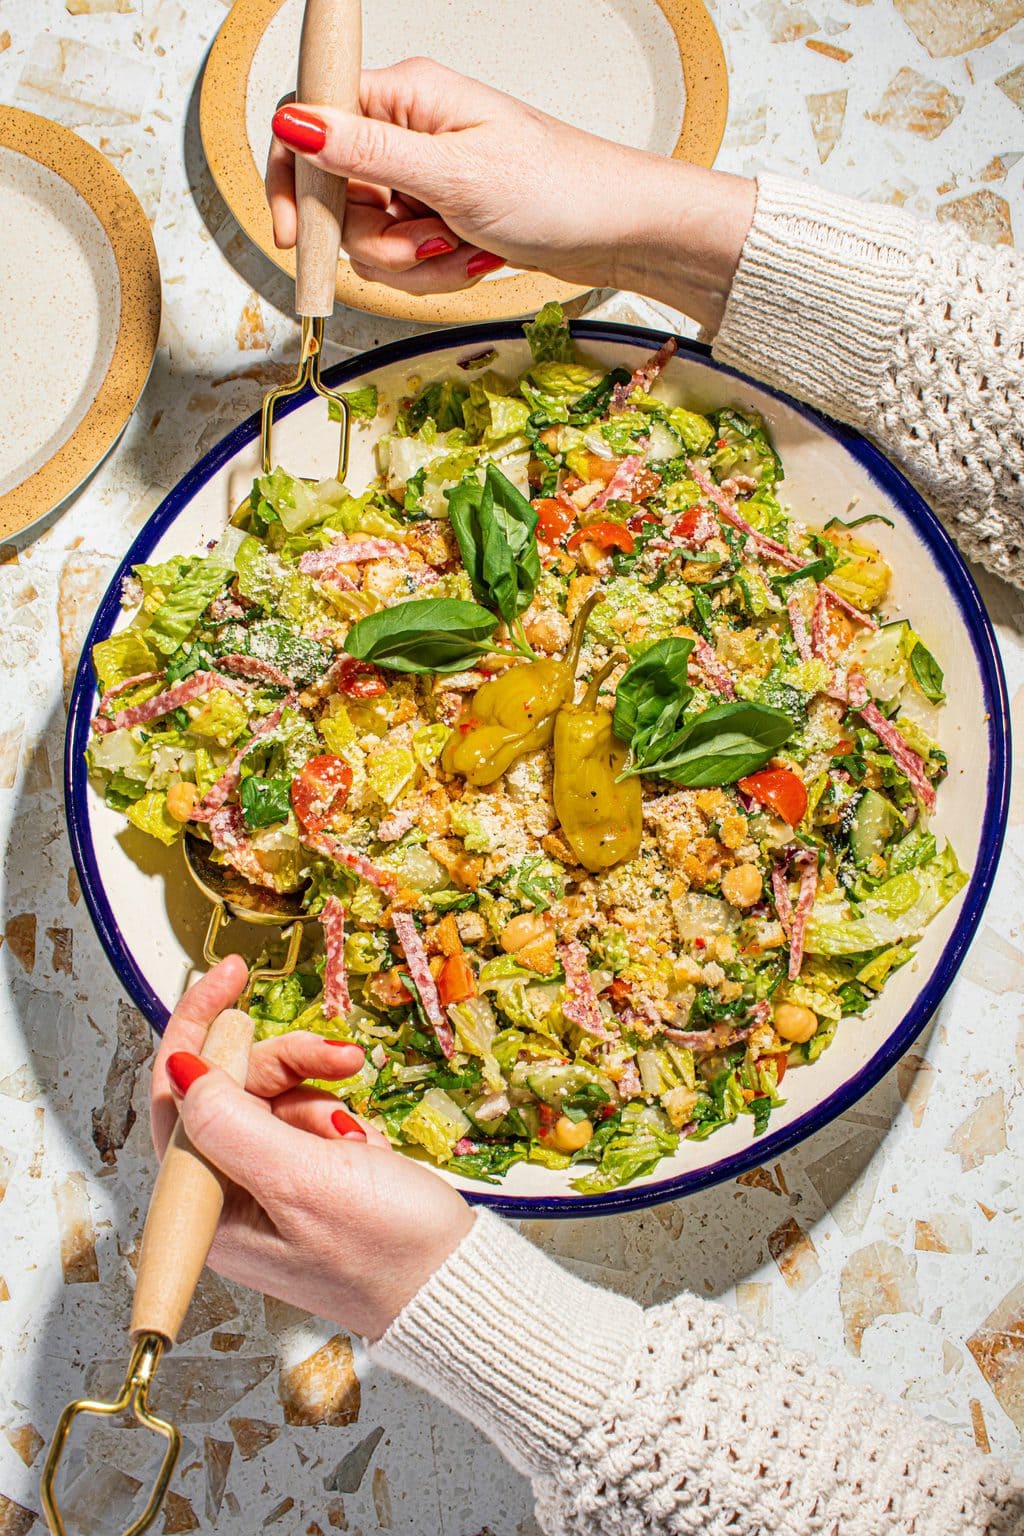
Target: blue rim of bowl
{"x":886,"y":477}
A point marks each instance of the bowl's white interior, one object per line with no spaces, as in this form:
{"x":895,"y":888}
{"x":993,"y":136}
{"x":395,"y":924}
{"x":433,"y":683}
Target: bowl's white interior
{"x":156,"y":908}
{"x":60,"y":274}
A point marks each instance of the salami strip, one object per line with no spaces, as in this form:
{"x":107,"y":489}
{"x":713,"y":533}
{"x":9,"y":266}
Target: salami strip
{"x":630,"y":1085}
{"x":219,"y":793}
{"x":228,"y":834}
{"x":713,"y":671}
{"x":647,"y":374}
{"x":804,"y":903}
{"x":620,"y":485}
{"x":350,"y":552}
{"x":337,"y":999}
{"x":783,"y":903}
{"x":770,"y":548}
{"x":333,"y":848}
{"x":419,"y":970}
{"x":798,"y":624}
{"x":163,"y":703}
{"x":903,"y":755}
{"x":396,"y":825}
{"x":848,"y":608}
{"x":581,"y":1006}
{"x":818,"y":635}
{"x":126,"y":687}
{"x":254,"y":669}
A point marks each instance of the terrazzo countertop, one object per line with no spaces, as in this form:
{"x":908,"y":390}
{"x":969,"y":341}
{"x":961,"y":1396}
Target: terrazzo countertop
{"x":891,"y":1244}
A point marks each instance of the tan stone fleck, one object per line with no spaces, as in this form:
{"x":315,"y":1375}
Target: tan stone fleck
{"x":179,"y":1516}
{"x":754,"y":1302}
{"x":5,"y":1294}
{"x":95,"y":7}
{"x":5,"y":40}
{"x":62,"y":941}
{"x":982,"y":1134}
{"x":917,"y":105}
{"x":984,"y":215}
{"x":795,"y":1255}
{"x":945,"y":187}
{"x":20,"y":938}
{"x":252,"y":1436}
{"x":829,"y":50}
{"x":278,"y":1512}
{"x":74,"y":889}
{"x":6,"y":1164}
{"x":38,"y":773}
{"x":251,"y":332}
{"x":946,"y":1232}
{"x":15,"y":1519}
{"x":217,"y":1455}
{"x":382,"y":1499}
{"x":35,"y":1162}
{"x":324,"y":1389}
{"x":77,"y":1233}
{"x":948,"y":27}
{"x":986,"y":1210}
{"x":212,"y":1305}
{"x":1012,"y":85}
{"x":785,"y":21}
{"x":113,"y":1120}
{"x":827,"y":111}
{"x":10,"y":754}
{"x":877,"y":1281}
{"x":978,"y":1425}
{"x":83,"y":580}
{"x":226,"y":1343}
{"x":747,"y":126}
{"x":336,"y":1517}
{"x":914,"y":1079}
{"x":759,"y":1178}
{"x":998,"y":1350}
{"x":998,"y":168}
{"x":26,"y":1441}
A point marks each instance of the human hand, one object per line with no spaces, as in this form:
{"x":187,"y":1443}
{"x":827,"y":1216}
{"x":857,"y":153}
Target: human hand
{"x":451,"y":179}
{"x":320,"y":1211}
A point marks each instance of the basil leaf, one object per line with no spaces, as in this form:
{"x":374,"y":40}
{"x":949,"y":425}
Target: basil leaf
{"x":495,"y":528}
{"x":434,"y":634}
{"x":652,"y":694}
{"x":816,"y":570}
{"x":858,"y":522}
{"x":264,"y":801}
{"x":721,"y":745}
{"x":928,"y":675}
{"x":595,"y":402}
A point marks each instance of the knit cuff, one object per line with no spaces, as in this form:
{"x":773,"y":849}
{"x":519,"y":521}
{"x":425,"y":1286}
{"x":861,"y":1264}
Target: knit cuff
{"x":819,"y":294}
{"x":521,"y":1348}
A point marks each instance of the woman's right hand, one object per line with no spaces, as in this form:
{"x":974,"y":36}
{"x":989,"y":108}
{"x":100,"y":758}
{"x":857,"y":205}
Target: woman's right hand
{"x":451,"y":179}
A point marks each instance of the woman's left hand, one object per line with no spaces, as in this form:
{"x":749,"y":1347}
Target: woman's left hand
{"x":320,"y":1212}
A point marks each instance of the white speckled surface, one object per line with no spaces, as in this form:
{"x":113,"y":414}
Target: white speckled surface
{"x":892,"y":1244}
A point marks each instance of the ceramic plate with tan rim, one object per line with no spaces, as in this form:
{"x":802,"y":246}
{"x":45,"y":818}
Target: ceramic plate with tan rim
{"x":78,"y":271}
{"x":649,"y":73}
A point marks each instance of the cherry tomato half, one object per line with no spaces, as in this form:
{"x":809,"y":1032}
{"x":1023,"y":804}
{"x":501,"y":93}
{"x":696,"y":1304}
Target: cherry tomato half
{"x":781,"y":1060}
{"x":320,"y":789}
{"x":554,"y":518}
{"x":686,"y":526}
{"x":780,"y":790}
{"x":456,"y":981}
{"x":360,"y":679}
{"x":604,"y":536}
{"x":640,"y":520}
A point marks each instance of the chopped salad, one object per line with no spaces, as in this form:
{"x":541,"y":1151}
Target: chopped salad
{"x":609,"y":779}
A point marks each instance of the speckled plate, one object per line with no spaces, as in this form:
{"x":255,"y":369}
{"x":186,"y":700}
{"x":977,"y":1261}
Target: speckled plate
{"x":650,"y":73}
{"x":145,"y":911}
{"x":79,"y":312}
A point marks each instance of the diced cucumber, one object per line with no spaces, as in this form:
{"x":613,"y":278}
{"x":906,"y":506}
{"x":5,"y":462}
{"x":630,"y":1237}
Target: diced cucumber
{"x":552,"y":1082}
{"x":874,"y":822}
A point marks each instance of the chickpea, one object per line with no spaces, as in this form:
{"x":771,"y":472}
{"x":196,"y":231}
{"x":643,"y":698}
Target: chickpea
{"x":793,"y":1022}
{"x":743,"y":885}
{"x":570,"y":1135}
{"x":521,"y":930}
{"x":182,"y":800}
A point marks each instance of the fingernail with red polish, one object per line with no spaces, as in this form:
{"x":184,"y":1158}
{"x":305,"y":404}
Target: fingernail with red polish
{"x":483,"y":262}
{"x":183,"y":1069}
{"x":345,"y":1125}
{"x":438,"y":246}
{"x":300,"y":129}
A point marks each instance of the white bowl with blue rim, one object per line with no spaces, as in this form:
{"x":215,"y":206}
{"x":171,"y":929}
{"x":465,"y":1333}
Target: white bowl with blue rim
{"x":150,"y":920}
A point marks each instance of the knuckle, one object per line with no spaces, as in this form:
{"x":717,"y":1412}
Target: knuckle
{"x":368,"y":146}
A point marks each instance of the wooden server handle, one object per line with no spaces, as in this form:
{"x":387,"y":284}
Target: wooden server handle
{"x":330,"y":60}
{"x":187,"y":1202}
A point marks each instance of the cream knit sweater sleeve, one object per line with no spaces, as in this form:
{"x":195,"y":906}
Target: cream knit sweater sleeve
{"x":677,"y":1421}
{"x":903,"y":329}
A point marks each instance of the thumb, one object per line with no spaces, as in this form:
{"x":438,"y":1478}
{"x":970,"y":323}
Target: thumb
{"x":239,"y":1135}
{"x":367,"y":148}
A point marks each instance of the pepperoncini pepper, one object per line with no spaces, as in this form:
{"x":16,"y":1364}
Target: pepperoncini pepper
{"x":602,"y":819}
{"x":515,"y":713}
